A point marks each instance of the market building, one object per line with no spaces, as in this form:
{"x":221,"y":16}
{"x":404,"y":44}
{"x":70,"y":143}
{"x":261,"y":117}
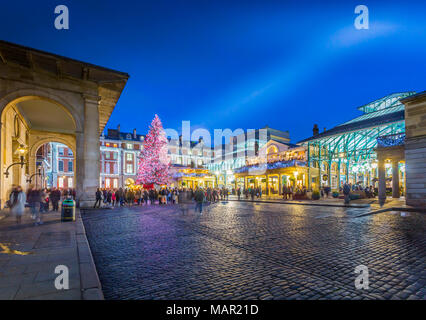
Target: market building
{"x":119,"y":158}
{"x":283,"y":165}
{"x":120,"y":153}
{"x":55,"y":167}
{"x":363,"y":150}
{"x":240,"y":150}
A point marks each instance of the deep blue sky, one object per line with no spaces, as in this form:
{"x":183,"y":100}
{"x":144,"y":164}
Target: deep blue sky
{"x":236,"y":64}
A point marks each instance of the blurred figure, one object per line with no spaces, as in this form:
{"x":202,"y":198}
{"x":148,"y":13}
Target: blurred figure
{"x":199,"y":199}
{"x":17,"y":203}
{"x":34,"y":198}
{"x":55,"y":196}
{"x":98,"y":198}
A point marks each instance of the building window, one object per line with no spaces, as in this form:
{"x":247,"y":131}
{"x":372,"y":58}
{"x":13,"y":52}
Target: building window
{"x":70,"y":168}
{"x":114,"y":155}
{"x":70,"y":182}
{"x":115,"y":183}
{"x":107,"y":155}
{"x":179,"y":160}
{"x":129,"y":168}
{"x":60,"y":182}
{"x":107,"y":183}
{"x":129,"y":146}
{"x":129,"y":157}
{"x":60,"y":165}
{"x":61,"y":151}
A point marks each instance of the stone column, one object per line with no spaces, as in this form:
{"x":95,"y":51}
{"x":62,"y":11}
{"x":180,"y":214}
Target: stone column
{"x":382,"y":181}
{"x":395,"y":179}
{"x":280,"y":185}
{"x":88,"y":153}
{"x":338,"y":176}
{"x":267,"y":185}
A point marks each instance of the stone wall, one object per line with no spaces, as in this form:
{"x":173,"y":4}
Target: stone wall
{"x":415,"y":149}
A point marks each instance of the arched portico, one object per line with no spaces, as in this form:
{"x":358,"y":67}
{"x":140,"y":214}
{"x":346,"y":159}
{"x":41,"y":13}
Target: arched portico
{"x":48,"y":98}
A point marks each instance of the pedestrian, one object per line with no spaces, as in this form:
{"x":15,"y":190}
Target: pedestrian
{"x":285,"y":192}
{"x":17,"y":202}
{"x":98,"y":198}
{"x":347,"y":192}
{"x":113,"y":197}
{"x":109,"y":198}
{"x":199,"y":199}
{"x":34,"y":200}
{"x":252,"y":193}
{"x":55,"y":196}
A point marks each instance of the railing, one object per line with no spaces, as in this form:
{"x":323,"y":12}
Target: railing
{"x":391,"y":140}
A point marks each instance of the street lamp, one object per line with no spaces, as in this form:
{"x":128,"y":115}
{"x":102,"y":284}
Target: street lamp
{"x":21,"y":151}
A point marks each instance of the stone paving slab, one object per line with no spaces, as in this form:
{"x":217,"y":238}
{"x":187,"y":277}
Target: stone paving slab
{"x":256,"y":251}
{"x":29,"y":255}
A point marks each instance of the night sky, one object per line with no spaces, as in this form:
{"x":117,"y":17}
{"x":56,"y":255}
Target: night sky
{"x":236,"y":64}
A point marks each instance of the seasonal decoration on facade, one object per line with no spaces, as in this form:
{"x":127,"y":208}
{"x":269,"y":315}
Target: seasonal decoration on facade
{"x":270,"y":166}
{"x":391,"y":140}
{"x":154,"y":162}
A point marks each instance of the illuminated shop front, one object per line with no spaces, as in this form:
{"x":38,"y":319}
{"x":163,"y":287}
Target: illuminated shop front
{"x":347,"y":153}
{"x":192,"y":178}
{"x":272,"y":177}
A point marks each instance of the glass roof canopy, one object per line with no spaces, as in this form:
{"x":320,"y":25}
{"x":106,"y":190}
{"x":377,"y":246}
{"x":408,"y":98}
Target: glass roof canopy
{"x":354,"y":141}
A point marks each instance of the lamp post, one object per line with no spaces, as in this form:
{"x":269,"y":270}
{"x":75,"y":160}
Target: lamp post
{"x":21,"y":150}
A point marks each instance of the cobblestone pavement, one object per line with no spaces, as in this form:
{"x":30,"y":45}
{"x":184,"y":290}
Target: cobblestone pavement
{"x":257,"y":251}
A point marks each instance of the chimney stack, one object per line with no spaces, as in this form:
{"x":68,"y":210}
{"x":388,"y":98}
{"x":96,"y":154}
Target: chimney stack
{"x":325,"y":129}
{"x":134,"y":134}
{"x":118,"y":128}
{"x":315,"y":130}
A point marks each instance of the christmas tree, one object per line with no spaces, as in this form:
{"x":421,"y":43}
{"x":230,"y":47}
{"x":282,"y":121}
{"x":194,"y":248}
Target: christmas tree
{"x":154,"y":162}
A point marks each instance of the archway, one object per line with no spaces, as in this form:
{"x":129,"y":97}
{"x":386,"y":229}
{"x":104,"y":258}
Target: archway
{"x":55,"y":167}
{"x":28,"y":122}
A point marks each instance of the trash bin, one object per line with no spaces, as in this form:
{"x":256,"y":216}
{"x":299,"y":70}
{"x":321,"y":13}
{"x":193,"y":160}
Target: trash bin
{"x":68,"y":210}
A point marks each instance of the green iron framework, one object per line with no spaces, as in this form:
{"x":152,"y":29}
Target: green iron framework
{"x":353,"y":143}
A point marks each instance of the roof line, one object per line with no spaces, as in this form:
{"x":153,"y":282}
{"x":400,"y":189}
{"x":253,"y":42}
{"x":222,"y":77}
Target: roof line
{"x":64,"y":58}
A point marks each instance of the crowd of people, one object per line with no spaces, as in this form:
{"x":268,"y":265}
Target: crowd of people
{"x":130,"y":197}
{"x":41,"y":200}
{"x":38,"y":200}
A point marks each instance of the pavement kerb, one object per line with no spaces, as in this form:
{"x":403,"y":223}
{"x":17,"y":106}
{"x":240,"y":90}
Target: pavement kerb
{"x":410,"y":209}
{"x":304,"y":203}
{"x":91,"y":288}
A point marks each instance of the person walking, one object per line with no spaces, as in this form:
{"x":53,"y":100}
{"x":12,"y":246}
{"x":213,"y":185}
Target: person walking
{"x":346,"y":192}
{"x":55,"y":196}
{"x":285,"y":192}
{"x":34,"y":199}
{"x":98,"y":198}
{"x":113,"y":197}
{"x":17,"y":203}
{"x":199,"y":199}
{"x":109,"y":197}
{"x":239,"y":193}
